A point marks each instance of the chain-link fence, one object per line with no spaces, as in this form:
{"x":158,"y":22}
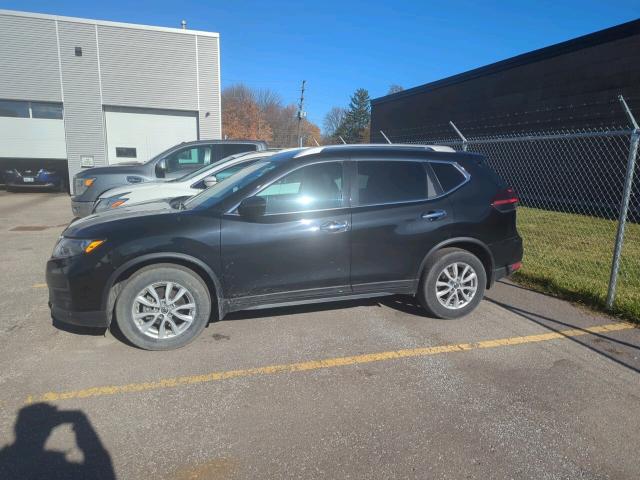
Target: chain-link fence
{"x":573,"y":185}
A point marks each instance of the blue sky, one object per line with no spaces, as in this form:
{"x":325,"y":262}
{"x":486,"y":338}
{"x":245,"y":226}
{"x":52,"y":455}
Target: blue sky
{"x":338,"y":46}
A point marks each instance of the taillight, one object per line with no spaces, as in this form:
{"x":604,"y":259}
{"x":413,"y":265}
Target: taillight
{"x":505,"y":199}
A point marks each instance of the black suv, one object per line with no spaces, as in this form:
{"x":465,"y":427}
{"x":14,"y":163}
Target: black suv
{"x":175,"y":162}
{"x":303,"y":226}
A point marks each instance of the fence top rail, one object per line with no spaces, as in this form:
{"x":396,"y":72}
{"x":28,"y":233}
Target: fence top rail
{"x":537,"y":138}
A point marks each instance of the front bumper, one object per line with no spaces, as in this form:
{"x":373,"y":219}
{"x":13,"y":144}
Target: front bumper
{"x":82,"y":319}
{"x":81,"y":209}
{"x":75,"y":292}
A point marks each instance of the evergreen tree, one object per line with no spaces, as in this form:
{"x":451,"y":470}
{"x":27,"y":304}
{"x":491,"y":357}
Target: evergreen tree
{"x":355,"y":126}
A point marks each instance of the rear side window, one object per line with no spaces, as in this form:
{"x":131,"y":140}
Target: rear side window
{"x":448,"y":175}
{"x":393,"y":182}
{"x":232,"y":149}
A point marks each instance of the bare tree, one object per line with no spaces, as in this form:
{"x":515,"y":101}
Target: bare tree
{"x":333,"y":119}
{"x":395,"y":88}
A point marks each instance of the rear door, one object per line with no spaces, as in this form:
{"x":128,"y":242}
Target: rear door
{"x":398,"y":215}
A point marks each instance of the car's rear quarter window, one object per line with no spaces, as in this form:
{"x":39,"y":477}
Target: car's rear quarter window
{"x":448,"y":175}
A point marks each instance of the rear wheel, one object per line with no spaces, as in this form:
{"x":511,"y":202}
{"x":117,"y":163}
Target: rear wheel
{"x":453,"y":283}
{"x":163,"y":307}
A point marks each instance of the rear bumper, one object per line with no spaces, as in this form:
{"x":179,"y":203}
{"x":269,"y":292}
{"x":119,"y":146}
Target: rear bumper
{"x":81,"y":209}
{"x":506,"y":253}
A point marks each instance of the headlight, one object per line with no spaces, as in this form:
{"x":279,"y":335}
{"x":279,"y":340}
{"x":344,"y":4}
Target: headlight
{"x":69,"y":247}
{"x":108,"y":203}
{"x":80,"y":185}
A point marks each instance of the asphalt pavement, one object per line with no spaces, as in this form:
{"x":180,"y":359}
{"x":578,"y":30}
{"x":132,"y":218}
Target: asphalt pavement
{"x":528,"y":386}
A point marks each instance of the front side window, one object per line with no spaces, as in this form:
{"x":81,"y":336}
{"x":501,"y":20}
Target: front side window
{"x":14,"y":108}
{"x":382,"y":182}
{"x":188,"y":158}
{"x":314,"y":187}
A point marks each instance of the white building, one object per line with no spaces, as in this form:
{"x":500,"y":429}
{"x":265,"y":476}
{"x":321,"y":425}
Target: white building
{"x":93,"y":93}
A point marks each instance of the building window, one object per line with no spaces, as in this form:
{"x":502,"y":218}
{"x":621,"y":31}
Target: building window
{"x":46,"y":110}
{"x":26,"y":109}
{"x":14,"y":108}
{"x":126,"y":152}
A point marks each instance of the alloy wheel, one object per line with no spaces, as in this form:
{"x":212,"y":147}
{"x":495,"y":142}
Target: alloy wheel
{"x":163,"y":310}
{"x":456,"y":285}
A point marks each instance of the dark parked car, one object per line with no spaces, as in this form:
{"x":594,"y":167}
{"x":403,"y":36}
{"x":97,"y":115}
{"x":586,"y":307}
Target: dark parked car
{"x":40,"y":178}
{"x":173,"y":163}
{"x":303,"y":226}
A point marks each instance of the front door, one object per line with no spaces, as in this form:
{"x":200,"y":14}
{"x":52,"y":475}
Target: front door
{"x":299,"y":249}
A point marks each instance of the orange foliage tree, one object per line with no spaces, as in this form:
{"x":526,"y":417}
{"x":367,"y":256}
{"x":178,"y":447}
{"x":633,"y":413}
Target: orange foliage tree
{"x":241,"y":116}
{"x":261,"y":115}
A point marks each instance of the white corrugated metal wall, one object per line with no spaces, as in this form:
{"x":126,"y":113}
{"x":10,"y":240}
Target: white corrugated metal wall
{"x":121,"y":65}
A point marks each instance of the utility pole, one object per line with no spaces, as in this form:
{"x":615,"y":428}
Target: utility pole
{"x":301,"y":113}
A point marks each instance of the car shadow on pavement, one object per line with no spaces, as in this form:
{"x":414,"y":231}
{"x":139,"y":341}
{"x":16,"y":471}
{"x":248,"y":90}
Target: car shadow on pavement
{"x":558,"y":326}
{"x":27,"y":458}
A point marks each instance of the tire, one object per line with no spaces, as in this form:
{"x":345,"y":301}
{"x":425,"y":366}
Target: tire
{"x":439,"y":288}
{"x":146,"y":330}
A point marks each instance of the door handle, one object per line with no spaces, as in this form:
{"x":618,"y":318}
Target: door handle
{"x":334,"y":226}
{"x":434,"y":215}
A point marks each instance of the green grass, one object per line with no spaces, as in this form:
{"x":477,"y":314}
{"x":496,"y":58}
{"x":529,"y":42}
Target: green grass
{"x":570,"y":255}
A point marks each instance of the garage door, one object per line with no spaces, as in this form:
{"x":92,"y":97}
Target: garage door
{"x":138,"y":135}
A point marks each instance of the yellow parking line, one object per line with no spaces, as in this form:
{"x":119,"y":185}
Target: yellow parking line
{"x":324,"y":363}
{"x":39,"y":285}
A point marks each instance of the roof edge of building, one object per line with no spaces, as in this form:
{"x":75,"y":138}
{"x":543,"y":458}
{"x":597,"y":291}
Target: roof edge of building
{"x":610,"y":34}
{"x":61,"y":18}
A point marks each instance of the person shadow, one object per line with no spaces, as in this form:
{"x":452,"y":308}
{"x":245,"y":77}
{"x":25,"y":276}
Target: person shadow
{"x":27,"y":458}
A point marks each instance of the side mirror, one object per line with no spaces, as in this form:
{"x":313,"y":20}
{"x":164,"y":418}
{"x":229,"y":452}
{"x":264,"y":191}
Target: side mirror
{"x":253,"y":207}
{"x":210,"y":181}
{"x":161,"y":168}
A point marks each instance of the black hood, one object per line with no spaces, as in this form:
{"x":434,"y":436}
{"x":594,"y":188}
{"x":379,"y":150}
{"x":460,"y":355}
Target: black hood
{"x":88,"y":226}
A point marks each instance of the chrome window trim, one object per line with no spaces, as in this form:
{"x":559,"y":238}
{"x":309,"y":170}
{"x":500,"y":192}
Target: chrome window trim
{"x":467,"y":178}
{"x":461,"y":169}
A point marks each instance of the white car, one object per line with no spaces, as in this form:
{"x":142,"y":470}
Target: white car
{"x":185,"y":186}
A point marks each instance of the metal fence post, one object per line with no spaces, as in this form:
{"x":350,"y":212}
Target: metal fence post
{"x":385,"y":137}
{"x":624,"y":204}
{"x":462,"y":137}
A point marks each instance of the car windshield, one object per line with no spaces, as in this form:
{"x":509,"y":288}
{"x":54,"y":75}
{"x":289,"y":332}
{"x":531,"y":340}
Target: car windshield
{"x":230,"y":185}
{"x":207,"y":167}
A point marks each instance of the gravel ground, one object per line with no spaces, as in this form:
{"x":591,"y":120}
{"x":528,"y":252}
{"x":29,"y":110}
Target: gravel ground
{"x":565,"y":407}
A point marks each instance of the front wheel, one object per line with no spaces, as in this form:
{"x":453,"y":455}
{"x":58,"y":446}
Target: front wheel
{"x":453,"y":283}
{"x":163,"y":307}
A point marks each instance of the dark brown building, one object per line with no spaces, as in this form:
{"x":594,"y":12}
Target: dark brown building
{"x":573,"y":84}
